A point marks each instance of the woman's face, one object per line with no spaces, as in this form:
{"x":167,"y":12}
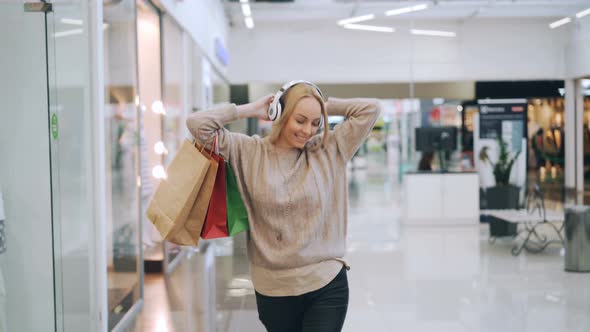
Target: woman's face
{"x":302,"y":124}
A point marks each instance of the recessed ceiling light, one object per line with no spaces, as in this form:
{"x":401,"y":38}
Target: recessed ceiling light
{"x":246,"y":10}
{"x":356,"y":19}
{"x":249,"y":22}
{"x":159,"y":172}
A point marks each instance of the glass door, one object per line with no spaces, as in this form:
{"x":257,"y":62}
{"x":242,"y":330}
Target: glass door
{"x":48,"y":279}
{"x":26,"y":260}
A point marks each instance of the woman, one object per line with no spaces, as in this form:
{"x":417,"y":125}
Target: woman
{"x":294,"y":186}
{"x":425,"y":163}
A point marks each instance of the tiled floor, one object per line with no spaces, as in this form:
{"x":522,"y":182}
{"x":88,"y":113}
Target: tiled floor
{"x":403,"y":278}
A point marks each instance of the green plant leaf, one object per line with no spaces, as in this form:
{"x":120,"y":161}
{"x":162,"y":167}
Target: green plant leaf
{"x":503,"y":167}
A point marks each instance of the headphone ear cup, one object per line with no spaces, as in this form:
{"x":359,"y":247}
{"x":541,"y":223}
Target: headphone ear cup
{"x":271,"y":112}
{"x":279,"y":110}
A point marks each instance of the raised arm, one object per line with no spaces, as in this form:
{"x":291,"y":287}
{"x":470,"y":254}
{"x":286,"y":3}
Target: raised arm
{"x":205,"y":125}
{"x":360,"y":117}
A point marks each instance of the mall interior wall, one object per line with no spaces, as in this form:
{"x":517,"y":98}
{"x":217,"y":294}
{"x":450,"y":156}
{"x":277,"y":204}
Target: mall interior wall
{"x":578,"y":50}
{"x":464,"y":90}
{"x":205,"y":22}
{"x":484,"y":49}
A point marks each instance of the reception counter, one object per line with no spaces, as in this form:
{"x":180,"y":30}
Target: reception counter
{"x":441,"y":198}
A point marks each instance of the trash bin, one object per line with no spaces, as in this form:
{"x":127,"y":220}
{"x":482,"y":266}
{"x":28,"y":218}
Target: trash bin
{"x":577,"y":239}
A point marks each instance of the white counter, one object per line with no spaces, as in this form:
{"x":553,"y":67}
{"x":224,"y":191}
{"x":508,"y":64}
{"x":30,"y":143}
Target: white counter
{"x":441,"y":198}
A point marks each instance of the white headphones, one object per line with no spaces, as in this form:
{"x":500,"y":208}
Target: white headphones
{"x":276,"y":107}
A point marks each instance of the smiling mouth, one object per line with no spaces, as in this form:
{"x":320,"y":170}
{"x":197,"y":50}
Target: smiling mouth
{"x":301,"y":138}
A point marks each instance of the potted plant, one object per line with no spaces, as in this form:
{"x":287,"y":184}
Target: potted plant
{"x":503,"y":195}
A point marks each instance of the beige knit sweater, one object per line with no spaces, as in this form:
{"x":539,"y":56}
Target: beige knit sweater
{"x":297,"y":199}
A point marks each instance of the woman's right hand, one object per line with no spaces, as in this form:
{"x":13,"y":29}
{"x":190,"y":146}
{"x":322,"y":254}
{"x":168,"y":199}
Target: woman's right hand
{"x":261,"y":106}
{"x":257,"y":109}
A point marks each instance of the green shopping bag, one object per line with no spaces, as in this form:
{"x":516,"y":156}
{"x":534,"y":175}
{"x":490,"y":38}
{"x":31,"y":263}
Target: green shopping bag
{"x":237,"y":216}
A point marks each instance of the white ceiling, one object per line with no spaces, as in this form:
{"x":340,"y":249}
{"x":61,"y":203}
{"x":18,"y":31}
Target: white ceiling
{"x":332,"y":10}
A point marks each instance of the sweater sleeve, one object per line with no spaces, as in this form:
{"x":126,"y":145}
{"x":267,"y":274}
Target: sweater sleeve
{"x":360,"y":117}
{"x":204,"y":125}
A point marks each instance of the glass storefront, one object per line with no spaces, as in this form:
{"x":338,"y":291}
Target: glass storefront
{"x":48,"y":274}
{"x":174,"y":132}
{"x":401,"y":117}
{"x":152,"y":113}
{"x":58,"y":205}
{"x":546,"y":149}
{"x":545,"y":153}
{"x":124,"y":259}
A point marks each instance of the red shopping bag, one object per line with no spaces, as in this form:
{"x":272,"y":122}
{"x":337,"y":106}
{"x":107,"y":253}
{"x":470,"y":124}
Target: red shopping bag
{"x":216,"y":221}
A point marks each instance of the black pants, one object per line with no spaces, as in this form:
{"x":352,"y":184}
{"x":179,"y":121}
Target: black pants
{"x":321,"y":310}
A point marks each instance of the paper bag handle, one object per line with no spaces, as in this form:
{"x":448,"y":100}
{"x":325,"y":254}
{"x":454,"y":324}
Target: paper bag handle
{"x":202,"y":148}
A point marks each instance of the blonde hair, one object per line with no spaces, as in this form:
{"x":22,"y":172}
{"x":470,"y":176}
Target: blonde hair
{"x":290,"y":100}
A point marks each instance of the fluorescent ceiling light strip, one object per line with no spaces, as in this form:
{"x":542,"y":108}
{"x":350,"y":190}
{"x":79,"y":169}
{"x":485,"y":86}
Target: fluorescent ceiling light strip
{"x":67,"y":33}
{"x":71,"y":21}
{"x":243,"y":1}
{"x":583,"y":13}
{"x":356,"y":19}
{"x":249,"y":22}
{"x":433,"y":33}
{"x":246,"y":10}
{"x":406,"y":10}
{"x":368,"y":28}
{"x":560,"y":22}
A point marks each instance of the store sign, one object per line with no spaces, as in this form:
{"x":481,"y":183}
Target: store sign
{"x":221,"y":52}
{"x":502,"y":119}
{"x":494,"y":117}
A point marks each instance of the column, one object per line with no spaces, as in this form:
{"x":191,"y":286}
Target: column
{"x":570,"y":134}
{"x":579,"y":139}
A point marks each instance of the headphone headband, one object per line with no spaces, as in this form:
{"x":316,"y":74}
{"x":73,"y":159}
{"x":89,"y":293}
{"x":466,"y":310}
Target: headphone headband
{"x":275,"y":108}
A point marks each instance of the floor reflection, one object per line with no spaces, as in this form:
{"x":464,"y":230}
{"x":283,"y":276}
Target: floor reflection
{"x":403,"y":278}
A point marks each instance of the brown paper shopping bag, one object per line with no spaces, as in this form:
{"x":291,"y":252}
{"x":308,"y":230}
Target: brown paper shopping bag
{"x":196,"y":217}
{"x":176,"y":194}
